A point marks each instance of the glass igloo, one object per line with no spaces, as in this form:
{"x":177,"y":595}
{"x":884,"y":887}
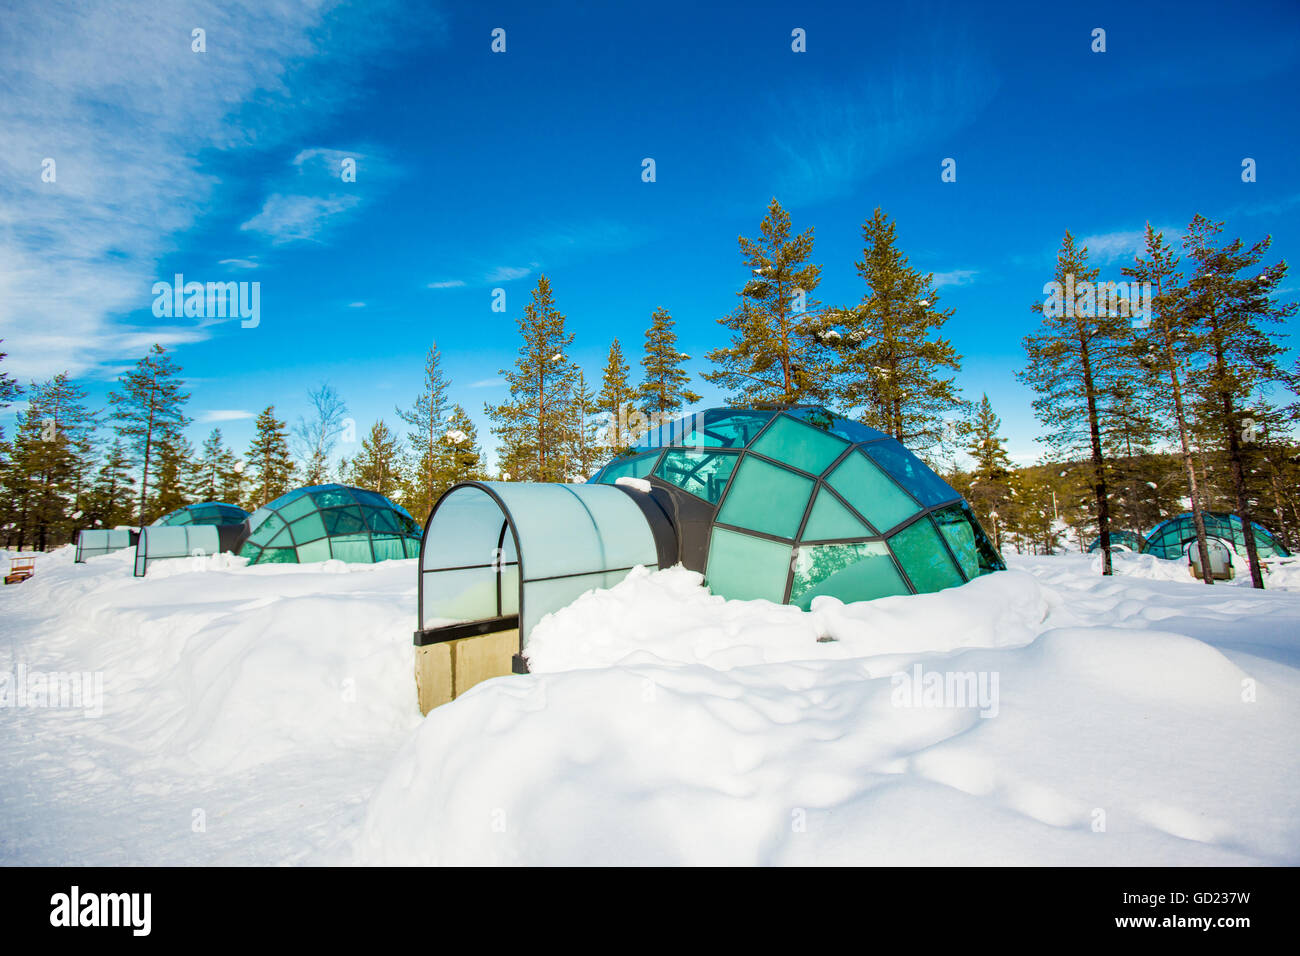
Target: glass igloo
{"x":792,"y":504}
{"x":1170,"y":538}
{"x":330,"y":521}
{"x":206,"y":512}
{"x":1120,"y":541}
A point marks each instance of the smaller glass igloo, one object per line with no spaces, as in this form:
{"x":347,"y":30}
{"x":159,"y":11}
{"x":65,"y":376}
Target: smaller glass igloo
{"x":1170,"y":539}
{"x":206,"y":512}
{"x":330,"y":521}
{"x":1119,"y":541}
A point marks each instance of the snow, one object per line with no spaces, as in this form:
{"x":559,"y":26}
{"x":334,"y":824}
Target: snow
{"x":639,"y":484}
{"x":1042,"y":715}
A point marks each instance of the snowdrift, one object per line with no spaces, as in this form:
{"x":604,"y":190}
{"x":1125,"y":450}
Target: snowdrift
{"x":1040,"y":715}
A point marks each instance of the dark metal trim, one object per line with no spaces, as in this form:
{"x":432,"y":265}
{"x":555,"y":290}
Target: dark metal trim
{"x":454,"y":632}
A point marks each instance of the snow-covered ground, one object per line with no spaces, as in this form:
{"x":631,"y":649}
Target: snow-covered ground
{"x":267,"y":715}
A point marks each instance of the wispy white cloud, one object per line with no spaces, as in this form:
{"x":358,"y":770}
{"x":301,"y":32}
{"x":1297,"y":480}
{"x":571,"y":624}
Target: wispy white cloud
{"x":249,"y":263}
{"x":447,"y":284}
{"x":508,"y":273}
{"x":297,"y":218}
{"x":225,"y":415}
{"x":356,"y":305}
{"x":955,"y":277}
{"x":1105,"y":248}
{"x":488,"y":383}
{"x":113,"y":94}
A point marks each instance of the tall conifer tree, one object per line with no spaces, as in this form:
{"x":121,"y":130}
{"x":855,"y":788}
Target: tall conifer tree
{"x":150,"y":405}
{"x":664,"y":389}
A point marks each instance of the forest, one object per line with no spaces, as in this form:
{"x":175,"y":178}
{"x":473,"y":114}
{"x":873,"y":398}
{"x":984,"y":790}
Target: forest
{"x":1178,"y":399}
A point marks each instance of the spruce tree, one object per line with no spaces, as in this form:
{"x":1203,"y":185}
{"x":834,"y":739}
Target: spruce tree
{"x":150,"y":405}
{"x":615,"y":400}
{"x":428,"y":421}
{"x":1234,"y":307}
{"x":893,"y":362}
{"x":110,"y":498}
{"x":534,"y":424}
{"x":775,"y":355}
{"x":211,"y":470}
{"x":586,"y":450}
{"x":989,"y":486}
{"x":462,"y":456}
{"x":9,"y":390}
{"x":171,"y":486}
{"x":1072,"y":361}
{"x":664,"y":389}
{"x":269,"y":459}
{"x":52,"y":453}
{"x":378,"y":465}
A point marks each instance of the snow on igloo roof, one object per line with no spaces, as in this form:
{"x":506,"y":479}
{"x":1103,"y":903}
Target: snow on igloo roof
{"x":330,"y":521}
{"x":807,"y":503}
{"x":205,"y":512}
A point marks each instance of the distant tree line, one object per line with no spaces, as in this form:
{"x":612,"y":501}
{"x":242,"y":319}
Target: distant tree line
{"x":1147,"y":413}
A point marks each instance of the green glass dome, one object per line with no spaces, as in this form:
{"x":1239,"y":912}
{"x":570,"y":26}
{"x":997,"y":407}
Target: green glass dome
{"x":1170,"y":539}
{"x":788,"y":505}
{"x":330,"y":521}
{"x":207,"y":512}
{"x":1120,"y":540}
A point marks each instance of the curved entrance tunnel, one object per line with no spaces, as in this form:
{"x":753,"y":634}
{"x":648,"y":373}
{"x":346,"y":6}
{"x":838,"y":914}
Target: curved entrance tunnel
{"x":496,"y":557}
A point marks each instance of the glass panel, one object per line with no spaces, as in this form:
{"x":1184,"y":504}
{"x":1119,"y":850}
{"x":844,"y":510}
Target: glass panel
{"x":625,"y":537}
{"x":354,"y":548}
{"x":340,"y":521}
{"x":309,"y":528}
{"x":387,"y":548}
{"x":560,"y":529}
{"x":830,"y":519}
{"x":297,"y":508}
{"x":412,"y":546}
{"x":278,"y":556}
{"x":381,"y":520}
{"x":800,"y":445}
{"x":959,"y":534}
{"x":267,"y":529}
{"x":871,"y":492}
{"x":318,"y":550}
{"x":845,"y":428}
{"x":466,"y":595}
{"x":332,"y":496}
{"x":766,"y":498}
{"x":637,"y":467}
{"x":464,"y":530}
{"x":924,"y":557}
{"x":850,"y":572}
{"x":742,"y":567}
{"x":702,"y":473}
{"x":912,"y":473}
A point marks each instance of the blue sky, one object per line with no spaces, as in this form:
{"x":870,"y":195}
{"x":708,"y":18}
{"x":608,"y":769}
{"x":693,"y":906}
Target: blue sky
{"x":478,"y":170}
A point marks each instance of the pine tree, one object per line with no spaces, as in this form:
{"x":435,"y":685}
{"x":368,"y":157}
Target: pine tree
{"x":892,"y":358}
{"x":428,"y":421}
{"x":989,"y":487}
{"x":211,"y":471}
{"x":664,"y":389}
{"x":615,"y":400}
{"x":110,"y":499}
{"x":9,"y":390}
{"x":534,"y":424}
{"x":378,"y":465}
{"x":1072,"y":362}
{"x":151,"y":405}
{"x":171,"y":482}
{"x":318,"y":435}
{"x":1165,"y":350}
{"x":462,"y":456}
{"x":269,"y":459}
{"x":775,"y":355}
{"x":52,"y":452}
{"x":586,"y":450}
{"x":1241,"y":354}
